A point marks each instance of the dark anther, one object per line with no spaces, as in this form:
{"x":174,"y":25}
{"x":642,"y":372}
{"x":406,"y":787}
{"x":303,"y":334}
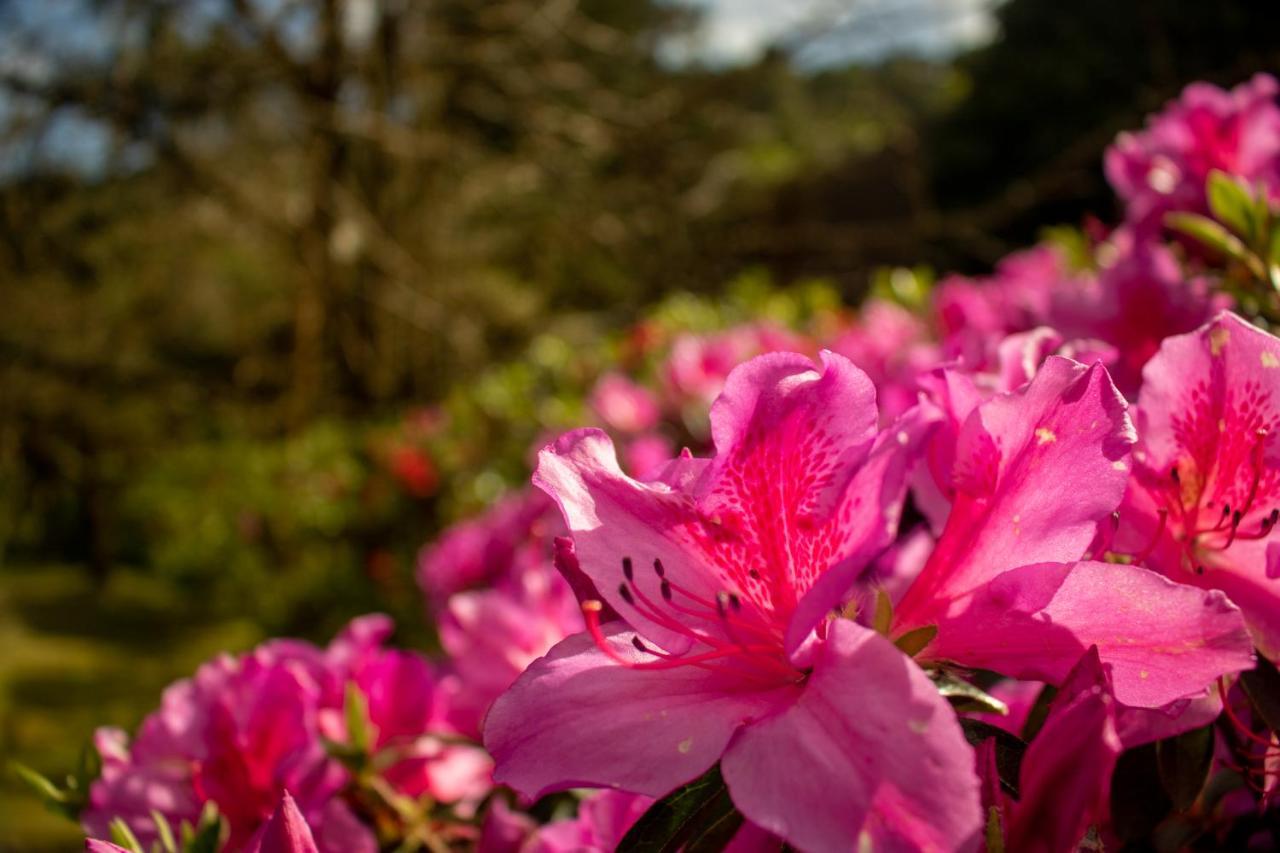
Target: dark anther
{"x":755,"y":576}
{"x":1199,"y":570}
{"x":1235,"y":518}
{"x":626,"y":568}
{"x":635,"y":641}
{"x":666,"y":590}
{"x":1173,"y":472}
{"x":657,"y":567}
{"x":734,"y":601}
{"x":625,"y":592}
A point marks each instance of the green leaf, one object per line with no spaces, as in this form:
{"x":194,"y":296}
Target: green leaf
{"x":167,"y":842}
{"x":360,"y":730}
{"x":696,"y":817}
{"x":965,"y":696}
{"x":1138,"y":800}
{"x":1184,"y":762}
{"x":54,"y":798}
{"x":208,"y":835}
{"x":1232,"y":204}
{"x":1210,"y":233}
{"x":1039,"y":712}
{"x":995,"y":831}
{"x":1262,"y":685}
{"x":914,"y":641}
{"x":123,"y":836}
{"x":1009,"y":750}
{"x":883,"y":618}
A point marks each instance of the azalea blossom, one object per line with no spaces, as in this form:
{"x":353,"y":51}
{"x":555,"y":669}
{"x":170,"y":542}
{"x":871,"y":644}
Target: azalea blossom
{"x":244,"y":730}
{"x":1008,"y":587}
{"x":724,"y":573}
{"x":624,"y":405}
{"x":1204,"y":499}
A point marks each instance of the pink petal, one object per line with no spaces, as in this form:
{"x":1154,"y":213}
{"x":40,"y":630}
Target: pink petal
{"x":613,"y":517}
{"x":868,"y":513}
{"x":1066,"y":772}
{"x":578,"y":718}
{"x":285,"y":832}
{"x":1164,"y":641}
{"x":1035,"y":472}
{"x":93,"y":845}
{"x":870,"y":747}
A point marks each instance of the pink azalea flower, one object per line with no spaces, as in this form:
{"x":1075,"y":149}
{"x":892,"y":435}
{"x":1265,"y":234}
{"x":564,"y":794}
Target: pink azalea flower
{"x":698,"y":366}
{"x":511,"y":536}
{"x":1033,"y":473}
{"x":973,"y":314}
{"x":1203,"y":502}
{"x":1139,"y":298}
{"x":285,"y":832}
{"x":1065,"y":778}
{"x":94,"y":845}
{"x":624,"y":405}
{"x":493,"y":635}
{"x":1165,"y":167}
{"x":892,"y":346}
{"x":645,"y":455}
{"x":602,"y":820}
{"x":725,"y":573}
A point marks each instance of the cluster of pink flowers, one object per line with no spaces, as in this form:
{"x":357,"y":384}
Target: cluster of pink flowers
{"x":1063,"y":476}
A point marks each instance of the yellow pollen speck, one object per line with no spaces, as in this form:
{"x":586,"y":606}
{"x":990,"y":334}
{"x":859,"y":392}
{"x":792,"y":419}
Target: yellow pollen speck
{"x":1218,"y":339}
{"x":1119,"y":466}
{"x":918,"y":726}
{"x":1144,"y":675}
{"x":1269,"y":360}
{"x":685,"y":745}
{"x":1222,"y":426}
{"x":1044,"y":435}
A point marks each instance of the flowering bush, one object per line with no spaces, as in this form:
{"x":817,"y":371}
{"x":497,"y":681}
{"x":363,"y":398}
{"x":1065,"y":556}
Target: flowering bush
{"x":991,"y":566}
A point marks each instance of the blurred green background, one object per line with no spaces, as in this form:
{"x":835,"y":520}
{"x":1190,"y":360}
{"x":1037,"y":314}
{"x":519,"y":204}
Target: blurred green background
{"x":290,"y":285}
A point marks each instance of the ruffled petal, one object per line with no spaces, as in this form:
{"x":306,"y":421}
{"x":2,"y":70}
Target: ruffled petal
{"x":1163,"y":641}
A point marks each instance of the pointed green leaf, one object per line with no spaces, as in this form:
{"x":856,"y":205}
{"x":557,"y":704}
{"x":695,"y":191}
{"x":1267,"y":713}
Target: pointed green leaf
{"x":47,"y":791}
{"x":698,"y":816}
{"x":1184,"y":763}
{"x":1210,"y":233}
{"x":1232,"y":204}
{"x":360,"y":730}
{"x":1262,"y":685}
{"x":914,"y":641}
{"x":167,"y":842}
{"x":965,"y":696}
{"x":1039,"y":712}
{"x":1009,"y":750}
{"x":883,"y":618}
{"x":209,"y":833}
{"x":123,"y":836}
{"x":995,"y":831}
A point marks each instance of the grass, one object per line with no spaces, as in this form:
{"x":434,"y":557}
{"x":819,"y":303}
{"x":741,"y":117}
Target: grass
{"x":73,"y":657}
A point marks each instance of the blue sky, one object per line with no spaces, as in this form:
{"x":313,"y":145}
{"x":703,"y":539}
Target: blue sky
{"x":835,"y":31}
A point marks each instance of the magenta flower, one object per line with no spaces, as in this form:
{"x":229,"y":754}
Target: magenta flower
{"x":892,"y":346}
{"x":1140,"y":297}
{"x":1165,"y":167}
{"x":493,"y":635}
{"x":972,"y":315}
{"x":1032,"y":474}
{"x":285,"y":832}
{"x":1204,"y":499}
{"x":510,"y":537}
{"x":602,"y":820}
{"x":698,"y":366}
{"x":624,"y":405}
{"x":725,"y":573}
